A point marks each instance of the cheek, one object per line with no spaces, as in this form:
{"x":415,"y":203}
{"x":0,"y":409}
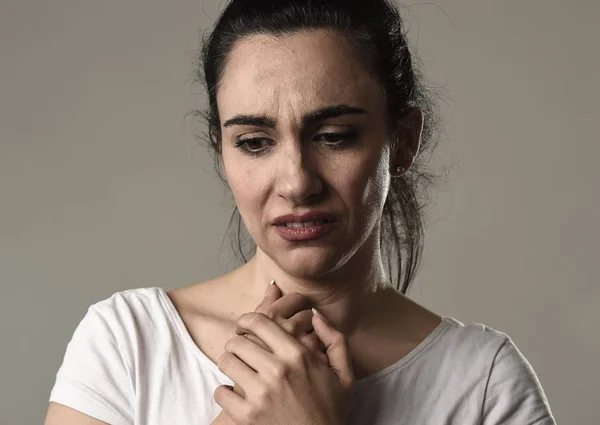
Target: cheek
{"x":248,"y":186}
{"x":364,"y":183}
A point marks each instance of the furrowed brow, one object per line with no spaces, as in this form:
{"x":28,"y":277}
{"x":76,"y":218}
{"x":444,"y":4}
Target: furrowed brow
{"x":308,"y":119}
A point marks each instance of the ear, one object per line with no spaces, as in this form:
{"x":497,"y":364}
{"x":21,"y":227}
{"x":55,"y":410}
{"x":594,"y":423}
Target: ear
{"x":408,"y":141}
{"x":214,"y":134}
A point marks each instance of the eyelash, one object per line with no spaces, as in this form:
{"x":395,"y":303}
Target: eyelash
{"x":347,"y":139}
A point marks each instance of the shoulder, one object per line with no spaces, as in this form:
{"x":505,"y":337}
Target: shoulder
{"x":153,"y":315}
{"x":122,"y":310}
{"x":473,"y":350}
{"x":132,"y":320}
{"x":479,"y":340}
{"x":205,"y":299}
{"x":472,"y":339}
{"x":130,"y":299}
{"x":98,"y":376}
{"x":511,"y":389}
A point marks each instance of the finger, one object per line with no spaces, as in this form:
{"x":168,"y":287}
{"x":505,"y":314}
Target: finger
{"x":337,"y":348}
{"x":257,"y":358}
{"x":313,"y":343}
{"x":272,"y":294}
{"x":239,"y":372}
{"x":299,"y":324}
{"x":257,"y":340}
{"x":238,"y":390}
{"x":233,"y":404}
{"x":272,"y":334}
{"x":287,"y":306}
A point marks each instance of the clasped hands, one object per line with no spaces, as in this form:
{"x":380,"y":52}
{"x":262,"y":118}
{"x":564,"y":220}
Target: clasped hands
{"x":289,"y":367}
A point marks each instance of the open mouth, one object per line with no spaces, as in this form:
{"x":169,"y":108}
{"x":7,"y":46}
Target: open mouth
{"x":305,"y":223}
{"x":305,"y":230}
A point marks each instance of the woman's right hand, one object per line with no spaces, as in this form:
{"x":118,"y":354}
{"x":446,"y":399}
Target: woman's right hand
{"x":293,"y":313}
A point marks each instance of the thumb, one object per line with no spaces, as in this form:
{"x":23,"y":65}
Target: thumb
{"x":336,"y":344}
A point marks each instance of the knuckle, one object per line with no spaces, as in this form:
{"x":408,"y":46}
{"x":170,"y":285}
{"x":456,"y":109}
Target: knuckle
{"x":225,"y":360}
{"x":259,"y":319}
{"x":233,"y":343}
{"x":252,"y":415}
{"x":254,"y":339}
{"x":340,"y":339}
{"x":256,"y":320}
{"x":277,"y":372}
{"x":262,"y":396}
{"x":269,"y":312}
{"x":291,"y":326}
{"x":252,"y":320}
{"x":297,"y":297}
{"x":243,"y":319}
{"x":298,"y":356}
{"x":312,"y":342}
{"x":218,"y":394}
{"x":299,"y":301}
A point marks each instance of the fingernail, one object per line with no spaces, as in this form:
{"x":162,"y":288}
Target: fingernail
{"x":316,"y":313}
{"x":271,"y":283}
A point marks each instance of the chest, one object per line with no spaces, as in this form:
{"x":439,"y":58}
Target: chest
{"x":369,"y":355}
{"x":176,"y":386}
{"x":210,"y":334}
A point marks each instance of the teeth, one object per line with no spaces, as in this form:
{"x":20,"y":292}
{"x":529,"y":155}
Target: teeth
{"x":306,"y":224}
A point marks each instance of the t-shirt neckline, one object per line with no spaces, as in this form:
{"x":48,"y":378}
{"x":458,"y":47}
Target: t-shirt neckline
{"x":413,"y":354}
{"x":177,"y":321}
{"x":185,"y":335}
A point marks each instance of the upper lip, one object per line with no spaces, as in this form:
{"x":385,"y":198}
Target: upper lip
{"x":299,"y":218}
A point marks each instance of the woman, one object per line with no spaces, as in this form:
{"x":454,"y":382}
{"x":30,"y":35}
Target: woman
{"x":320,"y":122}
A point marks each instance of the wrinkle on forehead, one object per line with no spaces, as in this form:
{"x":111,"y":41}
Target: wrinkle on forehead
{"x":308,"y":70}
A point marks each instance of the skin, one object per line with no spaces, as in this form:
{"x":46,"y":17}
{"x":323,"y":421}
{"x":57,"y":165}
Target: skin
{"x":284,"y":379}
{"x":296,"y":170}
{"x":285,"y":78}
{"x":299,"y":170}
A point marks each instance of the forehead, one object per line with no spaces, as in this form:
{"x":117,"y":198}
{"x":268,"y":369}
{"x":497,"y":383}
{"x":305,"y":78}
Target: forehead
{"x":302,"y":71}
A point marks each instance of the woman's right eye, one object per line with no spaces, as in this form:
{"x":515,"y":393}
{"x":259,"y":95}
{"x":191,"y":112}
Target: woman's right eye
{"x":252,"y":146}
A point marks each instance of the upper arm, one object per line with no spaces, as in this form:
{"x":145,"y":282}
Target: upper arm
{"x":94,"y":380}
{"x":514,"y":394}
{"x":63,"y":415}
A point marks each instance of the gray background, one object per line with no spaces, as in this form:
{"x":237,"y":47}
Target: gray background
{"x":103,"y":189}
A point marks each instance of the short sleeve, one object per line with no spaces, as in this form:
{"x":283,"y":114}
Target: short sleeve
{"x":94,"y":377}
{"x":514,"y":395}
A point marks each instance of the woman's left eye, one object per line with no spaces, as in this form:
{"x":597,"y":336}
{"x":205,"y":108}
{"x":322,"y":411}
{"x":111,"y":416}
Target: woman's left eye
{"x":336,"y":139}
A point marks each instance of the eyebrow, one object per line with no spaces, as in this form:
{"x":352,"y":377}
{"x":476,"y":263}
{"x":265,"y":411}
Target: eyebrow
{"x":307,"y":119}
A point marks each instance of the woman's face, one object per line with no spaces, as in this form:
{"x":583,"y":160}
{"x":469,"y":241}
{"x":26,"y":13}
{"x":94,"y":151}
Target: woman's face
{"x":279,"y":159}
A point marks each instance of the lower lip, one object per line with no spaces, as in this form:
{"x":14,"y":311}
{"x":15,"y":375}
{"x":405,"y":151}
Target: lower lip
{"x":305,"y":233}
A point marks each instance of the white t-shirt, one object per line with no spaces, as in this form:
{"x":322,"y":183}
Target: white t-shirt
{"x":132,"y":361}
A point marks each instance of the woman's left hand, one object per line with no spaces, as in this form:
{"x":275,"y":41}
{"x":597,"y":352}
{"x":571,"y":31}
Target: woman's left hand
{"x":289,"y":385}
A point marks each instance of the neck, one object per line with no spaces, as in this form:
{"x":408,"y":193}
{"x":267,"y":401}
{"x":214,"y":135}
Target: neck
{"x":351,"y":298}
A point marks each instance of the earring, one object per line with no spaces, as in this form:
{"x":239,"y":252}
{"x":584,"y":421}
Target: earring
{"x":399,"y":169}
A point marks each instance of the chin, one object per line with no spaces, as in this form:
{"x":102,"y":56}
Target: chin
{"x":308,"y":262}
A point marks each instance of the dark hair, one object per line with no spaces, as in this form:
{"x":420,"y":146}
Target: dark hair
{"x":375,"y":30}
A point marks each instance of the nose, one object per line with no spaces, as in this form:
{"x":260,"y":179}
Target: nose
{"x":298,"y":179}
